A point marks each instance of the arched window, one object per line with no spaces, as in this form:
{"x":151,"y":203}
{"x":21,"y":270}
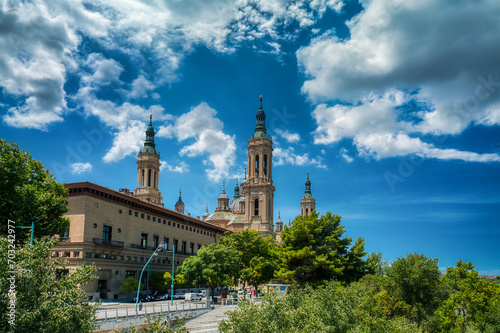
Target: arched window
{"x":264,"y":166}
{"x":256,"y":207}
{"x":142,"y":177}
{"x":154,"y":180}
{"x":257,"y":165}
{"x":149,"y":177}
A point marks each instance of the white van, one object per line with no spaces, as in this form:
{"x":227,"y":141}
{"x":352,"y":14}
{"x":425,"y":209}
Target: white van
{"x":192,"y":297}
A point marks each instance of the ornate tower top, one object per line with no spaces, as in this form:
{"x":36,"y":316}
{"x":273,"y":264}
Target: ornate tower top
{"x":260,"y":128}
{"x":236,"y":190}
{"x":307,"y":192}
{"x":149,"y":144}
{"x":223,"y":200}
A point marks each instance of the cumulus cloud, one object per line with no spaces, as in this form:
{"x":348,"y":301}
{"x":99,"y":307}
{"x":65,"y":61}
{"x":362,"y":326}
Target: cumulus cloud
{"x":287,"y":156}
{"x":79,"y":168}
{"x":202,"y":125}
{"x":181,"y":167}
{"x":344,"y":154}
{"x":440,"y":56}
{"x":289,"y":137}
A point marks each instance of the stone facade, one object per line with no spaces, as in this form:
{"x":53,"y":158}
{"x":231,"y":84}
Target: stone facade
{"x":118,"y":233}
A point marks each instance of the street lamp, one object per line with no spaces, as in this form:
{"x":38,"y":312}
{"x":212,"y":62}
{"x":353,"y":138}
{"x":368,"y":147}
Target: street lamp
{"x":173,"y":272}
{"x":140,"y":278}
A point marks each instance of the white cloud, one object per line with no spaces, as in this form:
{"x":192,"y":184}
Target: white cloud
{"x":105,"y":71}
{"x":79,"y":168}
{"x":448,"y":73}
{"x":181,"y":167}
{"x":344,"y":154}
{"x":127,"y":141}
{"x":289,"y":137}
{"x":287,"y":156}
{"x":202,"y":125}
{"x":140,"y":87}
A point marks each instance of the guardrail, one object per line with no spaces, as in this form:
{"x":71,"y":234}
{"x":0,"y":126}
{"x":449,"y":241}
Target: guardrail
{"x":107,"y":242}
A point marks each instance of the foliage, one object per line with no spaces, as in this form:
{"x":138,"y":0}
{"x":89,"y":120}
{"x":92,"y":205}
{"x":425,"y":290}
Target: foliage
{"x":212,"y":266}
{"x":130,"y":284}
{"x":313,"y":251}
{"x":157,"y":280}
{"x":158,"y":325}
{"x":256,"y":256}
{"x":474,"y":303}
{"x":179,"y":281}
{"x":334,"y":308}
{"x":29,"y":193}
{"x":46,"y":300}
{"x":415,"y":280}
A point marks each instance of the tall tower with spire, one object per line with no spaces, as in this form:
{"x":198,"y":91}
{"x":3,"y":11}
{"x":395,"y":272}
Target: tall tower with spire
{"x":148,"y":169}
{"x":259,"y":189}
{"x":179,"y":205}
{"x":223,"y":200}
{"x":307,"y":203}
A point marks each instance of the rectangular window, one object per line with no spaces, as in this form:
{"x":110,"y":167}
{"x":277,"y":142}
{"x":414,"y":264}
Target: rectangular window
{"x":106,"y":234}
{"x":136,"y":214}
{"x":165,"y":244}
{"x":178,"y":225}
{"x":191,"y":248}
{"x":176,"y":243}
{"x":77,"y":254}
{"x":148,"y":217}
{"x":130,"y":274}
{"x":183,"y":247}
{"x":144,"y":240}
{"x":168,"y":222}
{"x":182,"y":227}
{"x":163,"y":221}
{"x":156,"y":242}
{"x":129,"y":212}
{"x":190,"y":229}
{"x":154,"y":219}
{"x":198,"y":246}
{"x":142,"y":216}
{"x":173,"y":224}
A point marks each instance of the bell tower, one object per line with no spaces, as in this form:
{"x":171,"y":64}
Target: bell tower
{"x":259,"y":189}
{"x":148,"y":169}
{"x":307,"y":203}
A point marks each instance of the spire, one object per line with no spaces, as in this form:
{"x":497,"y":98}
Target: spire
{"x":245,"y":173}
{"x":149,"y":144}
{"x":206,"y":209}
{"x":223,"y":195}
{"x":180,"y":202}
{"x":260,"y":128}
{"x":236,"y":190}
{"x":307,"y":192}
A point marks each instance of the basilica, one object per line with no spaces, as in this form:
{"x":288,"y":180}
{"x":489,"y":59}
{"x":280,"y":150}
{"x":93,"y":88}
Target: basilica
{"x":118,"y":230}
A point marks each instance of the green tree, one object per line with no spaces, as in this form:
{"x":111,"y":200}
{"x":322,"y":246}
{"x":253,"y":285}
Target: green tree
{"x":474,"y":302}
{"x":334,"y":308}
{"x":256,"y":256}
{"x":130,"y":284}
{"x":29,"y":193}
{"x":48,"y":297}
{"x":313,"y":251}
{"x":212,"y":266}
{"x":157,"y":280}
{"x":415,"y":279}
{"x":356,"y":266}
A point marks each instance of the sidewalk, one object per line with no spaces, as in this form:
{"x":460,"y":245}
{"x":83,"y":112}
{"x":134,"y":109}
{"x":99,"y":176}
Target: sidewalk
{"x":209,"y":322}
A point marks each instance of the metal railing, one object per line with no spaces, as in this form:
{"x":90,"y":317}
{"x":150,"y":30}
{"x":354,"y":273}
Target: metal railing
{"x":107,"y":242}
{"x":139,"y":246}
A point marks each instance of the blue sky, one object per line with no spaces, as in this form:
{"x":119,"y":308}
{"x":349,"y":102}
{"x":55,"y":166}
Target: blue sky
{"x":392,"y":106}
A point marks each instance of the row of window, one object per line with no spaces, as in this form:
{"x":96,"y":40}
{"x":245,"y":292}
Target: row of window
{"x":173,"y":224}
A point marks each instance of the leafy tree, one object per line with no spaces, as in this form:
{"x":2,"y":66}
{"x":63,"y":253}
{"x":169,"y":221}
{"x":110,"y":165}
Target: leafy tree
{"x":415,"y":279}
{"x":474,"y":303}
{"x":47,"y":299}
{"x":313,"y":251}
{"x":256,"y":256}
{"x":356,"y":266}
{"x":157,"y":280}
{"x":179,"y":281}
{"x":334,"y":308}
{"x":212,"y":266}
{"x":130,"y":284}
{"x":29,"y":193}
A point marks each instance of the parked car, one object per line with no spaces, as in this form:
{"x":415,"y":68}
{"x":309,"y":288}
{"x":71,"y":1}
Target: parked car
{"x":192,"y":297}
{"x":142,"y":298}
{"x":179,"y":296}
{"x":160,"y":295}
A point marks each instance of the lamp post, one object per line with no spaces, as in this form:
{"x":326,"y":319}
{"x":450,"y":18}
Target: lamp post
{"x":140,"y":277}
{"x":173,"y":272}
